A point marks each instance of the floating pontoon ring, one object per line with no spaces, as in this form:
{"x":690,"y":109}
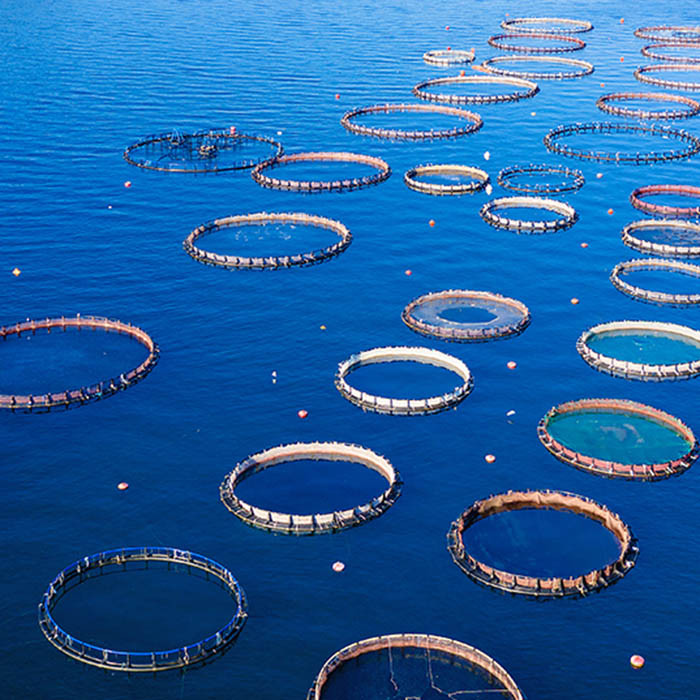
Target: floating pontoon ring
{"x":637,"y":201}
{"x":570,"y":43}
{"x":168,"y":152}
{"x":692,"y":107}
{"x":685,"y":249}
{"x":568,"y":26}
{"x":552,"y":144}
{"x":424,"y":315}
{"x":655,"y":264}
{"x":529,"y":89}
{"x":481,"y":179}
{"x":118,"y":561}
{"x":426,"y":643}
{"x":447,"y":57}
{"x":384,"y":171}
{"x":572,"y":179}
{"x":567,"y":212}
{"x":650,"y":52}
{"x":638,"y":370}
{"x":404,"y":407}
{"x":291,"y":524}
{"x":475,"y":122}
{"x":582,"y":67}
{"x":661,"y":33}
{"x":85,"y":394}
{"x":603,"y":467}
{"x":643,"y":74}
{"x":270,"y":262}
{"x":535,"y":586}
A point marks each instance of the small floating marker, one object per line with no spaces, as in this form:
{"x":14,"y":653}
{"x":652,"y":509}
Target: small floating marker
{"x":584,"y":245}
{"x":337,"y":96}
{"x":512,"y":364}
{"x":490,"y":459}
{"x":602,"y":85}
{"x":322,"y":327}
{"x":610,"y":211}
{"x":432,"y":222}
{"x":510,"y":413}
{"x":338,"y":566}
{"x":488,"y":188}
{"x":462,"y":73}
{"x":302,"y":413}
{"x":408,"y":273}
{"x":279,"y":133}
{"x":622,"y":59}
{"x":274,"y":373}
{"x":533,"y":114}
{"x":16,"y":272}
{"x":487,"y":155}
{"x":449,"y":48}
{"x":122,"y":486}
{"x":599,"y":175}
{"x":636,"y":661}
{"x":622,"y":20}
{"x":574,"y":301}
{"x":447,"y":28}
{"x":232,"y":130}
{"x":127,"y":184}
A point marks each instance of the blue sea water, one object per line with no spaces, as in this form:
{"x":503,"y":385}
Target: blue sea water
{"x":84,"y":79}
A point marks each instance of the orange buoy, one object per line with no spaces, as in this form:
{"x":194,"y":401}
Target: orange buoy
{"x":432,"y":222}
{"x":337,"y":96}
{"x":338,"y":566}
{"x":16,"y":272}
{"x":408,"y":273}
{"x":447,"y":28}
{"x":490,"y":459}
{"x":462,"y":73}
{"x":602,"y":85}
{"x":302,"y":413}
{"x":449,"y":48}
{"x":122,"y":486}
{"x":127,"y":184}
{"x":512,"y":364}
{"x":622,"y":20}
{"x":323,"y":328}
{"x":637,"y":661}
{"x":599,"y":175}
{"x":622,"y":59}
{"x":574,"y":301}
{"x":584,"y":245}
{"x":610,"y":211}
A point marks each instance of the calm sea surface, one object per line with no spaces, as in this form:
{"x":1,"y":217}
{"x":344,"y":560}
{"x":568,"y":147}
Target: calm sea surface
{"x":81,"y":80}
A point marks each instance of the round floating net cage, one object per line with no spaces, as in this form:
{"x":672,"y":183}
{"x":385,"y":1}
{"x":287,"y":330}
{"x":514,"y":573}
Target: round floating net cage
{"x":602,"y":426}
{"x":542,"y":587}
{"x":546,"y":25}
{"x":525,"y":89}
{"x":611,"y":104}
{"x":272,"y":262}
{"x":139,"y":558}
{"x":567,"y":214}
{"x":478,"y":179}
{"x":638,"y":201}
{"x":444,"y":663}
{"x":655,"y":265}
{"x":649,"y":74}
{"x":426,"y":315}
{"x":317,"y":523}
{"x":205,"y":151}
{"x":691,"y":144}
{"x":448,"y":57}
{"x":261,"y":176}
{"x":404,"y":407}
{"x":39,"y":403}
{"x":474,"y":122}
{"x":496,"y":65}
{"x":669,"y":34}
{"x":519,"y":179}
{"x":667,"y":339}
{"x":673,"y":237}
{"x":652,"y":51}
{"x":569,"y":43}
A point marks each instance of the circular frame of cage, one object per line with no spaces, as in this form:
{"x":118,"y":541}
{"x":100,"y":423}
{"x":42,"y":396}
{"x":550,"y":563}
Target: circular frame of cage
{"x":273,"y":262}
{"x":574,"y":182}
{"x":551,"y":142}
{"x":638,"y":202}
{"x":382,"y":167}
{"x":467,"y":332}
{"x":475,"y":658}
{"x":475,"y":122}
{"x":643,"y":75}
{"x":652,"y":248}
{"x":481,"y":179}
{"x":40,"y":403}
{"x":651,"y":34}
{"x":530,"y":89}
{"x":448,"y":57}
{"x":318,"y":523}
{"x":639,"y":370}
{"x":692,"y":106}
{"x":568,"y":214}
{"x":650,"y":52}
{"x":541,"y":587}
{"x":569,"y":26}
{"x":118,"y":560}
{"x":404,"y":407}
{"x":211,"y":133}
{"x":649,"y":295}
{"x":583,"y":67}
{"x":610,"y":468}
{"x":570,"y":43}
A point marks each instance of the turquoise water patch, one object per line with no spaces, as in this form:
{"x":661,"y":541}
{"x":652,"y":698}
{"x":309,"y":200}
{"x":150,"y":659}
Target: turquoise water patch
{"x":646,"y":347}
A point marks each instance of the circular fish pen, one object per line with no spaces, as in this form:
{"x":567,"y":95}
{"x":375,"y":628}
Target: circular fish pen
{"x":39,"y":403}
{"x":528,"y":89}
{"x":570,"y":43}
{"x":581,"y":68}
{"x":571,"y":179}
{"x":596,"y":411}
{"x":648,"y":74}
{"x":669,"y":34}
{"x":480,"y":178}
{"x":474,"y":122}
{"x":540,"y":587}
{"x":404,"y":407}
{"x":355,"y":183}
{"x":436,"y":650}
{"x":607,"y":103}
{"x":448,"y":57}
{"x":655,"y":265}
{"x":275,"y":262}
{"x":666,"y":333}
{"x":565,"y":211}
{"x":566,"y":26}
{"x":122,"y":561}
{"x":638,"y":202}
{"x":424,"y":315}
{"x":317,"y":523}
{"x":205,"y":151}
{"x":686,"y":241}
{"x":552,"y":142}
{"x":650,"y":51}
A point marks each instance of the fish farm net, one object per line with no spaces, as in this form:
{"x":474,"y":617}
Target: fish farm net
{"x":524,"y":178}
{"x":478,"y":179}
{"x":548,"y":25}
{"x":500,"y":42}
{"x":526,"y":88}
{"x":497,"y":63}
{"x":663,"y":237}
{"x":567,"y":215}
{"x":448,"y":57}
{"x":638,"y":200}
{"x":655,"y":265}
{"x":611,"y":104}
